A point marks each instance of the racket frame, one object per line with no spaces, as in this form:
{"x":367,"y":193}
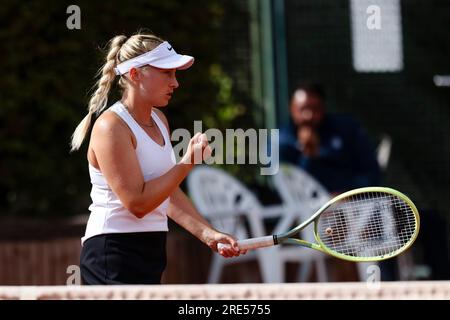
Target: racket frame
{"x":320,"y":246}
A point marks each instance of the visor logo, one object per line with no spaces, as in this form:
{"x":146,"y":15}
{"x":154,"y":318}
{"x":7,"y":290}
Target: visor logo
{"x":169,"y":48}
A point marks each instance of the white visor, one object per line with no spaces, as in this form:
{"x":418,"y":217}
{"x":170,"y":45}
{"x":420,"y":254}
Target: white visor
{"x":163,"y":57}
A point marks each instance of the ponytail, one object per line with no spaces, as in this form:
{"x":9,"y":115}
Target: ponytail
{"x":99,"y":98}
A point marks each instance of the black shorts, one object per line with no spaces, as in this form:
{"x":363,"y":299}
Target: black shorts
{"x":124,"y":258}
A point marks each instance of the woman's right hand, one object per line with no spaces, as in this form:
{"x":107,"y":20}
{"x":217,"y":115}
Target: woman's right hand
{"x":198,"y":150}
{"x":224,"y":244}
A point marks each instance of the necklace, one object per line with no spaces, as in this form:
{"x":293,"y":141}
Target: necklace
{"x":151,"y":125}
{"x":146,"y":125}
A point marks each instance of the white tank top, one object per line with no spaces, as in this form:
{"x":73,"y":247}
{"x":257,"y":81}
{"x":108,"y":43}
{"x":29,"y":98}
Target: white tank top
{"x":108,"y":215}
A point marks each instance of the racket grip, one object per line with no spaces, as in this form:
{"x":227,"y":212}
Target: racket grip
{"x":250,"y":244}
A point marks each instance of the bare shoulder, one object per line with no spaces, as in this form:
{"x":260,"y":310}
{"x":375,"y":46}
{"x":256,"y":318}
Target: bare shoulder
{"x":110,"y":126}
{"x":163,"y":118}
{"x":108,"y":121}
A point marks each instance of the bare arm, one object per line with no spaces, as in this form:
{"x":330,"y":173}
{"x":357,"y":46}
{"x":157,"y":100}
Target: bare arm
{"x":184,"y":213}
{"x":112,"y":144}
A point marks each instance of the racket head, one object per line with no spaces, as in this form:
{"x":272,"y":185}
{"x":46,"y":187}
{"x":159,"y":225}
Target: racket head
{"x":367,"y":224}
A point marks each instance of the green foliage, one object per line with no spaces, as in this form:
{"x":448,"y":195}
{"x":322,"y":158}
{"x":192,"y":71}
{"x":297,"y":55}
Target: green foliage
{"x":230,"y":114}
{"x":226,"y":109}
{"x":48,"y":72}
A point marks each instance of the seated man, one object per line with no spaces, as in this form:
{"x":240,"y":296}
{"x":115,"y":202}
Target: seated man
{"x":333,"y":148}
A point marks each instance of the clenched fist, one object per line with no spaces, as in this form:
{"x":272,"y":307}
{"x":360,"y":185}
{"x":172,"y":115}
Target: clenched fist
{"x":198,"y":150}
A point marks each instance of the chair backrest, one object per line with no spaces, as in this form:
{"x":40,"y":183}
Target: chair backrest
{"x":300,"y":192}
{"x":296,"y":186}
{"x":384,"y":151}
{"x":224,"y":201}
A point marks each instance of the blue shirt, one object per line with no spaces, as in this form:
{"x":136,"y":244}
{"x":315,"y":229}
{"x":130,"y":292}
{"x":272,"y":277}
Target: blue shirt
{"x":346,"y":158}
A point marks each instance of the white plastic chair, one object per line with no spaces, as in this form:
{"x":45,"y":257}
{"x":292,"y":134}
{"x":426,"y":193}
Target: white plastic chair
{"x":383,"y":151}
{"x":303,"y":195}
{"x":227,"y":203}
{"x":302,"y":192}
{"x":383,"y":154}
{"x":405,"y":263}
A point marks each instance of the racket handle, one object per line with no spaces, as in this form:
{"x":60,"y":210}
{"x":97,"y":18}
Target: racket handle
{"x":250,"y":244}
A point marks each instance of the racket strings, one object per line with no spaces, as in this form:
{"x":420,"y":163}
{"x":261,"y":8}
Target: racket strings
{"x":369,"y":234}
{"x":374,"y":232}
{"x":371,"y":224}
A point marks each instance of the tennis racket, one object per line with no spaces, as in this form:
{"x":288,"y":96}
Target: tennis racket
{"x":366,"y":224}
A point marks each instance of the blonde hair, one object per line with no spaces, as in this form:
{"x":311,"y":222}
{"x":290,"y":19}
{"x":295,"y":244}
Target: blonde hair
{"x":120,"y":49}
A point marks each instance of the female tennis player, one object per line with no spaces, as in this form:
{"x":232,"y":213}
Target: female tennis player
{"x":134,"y":175}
